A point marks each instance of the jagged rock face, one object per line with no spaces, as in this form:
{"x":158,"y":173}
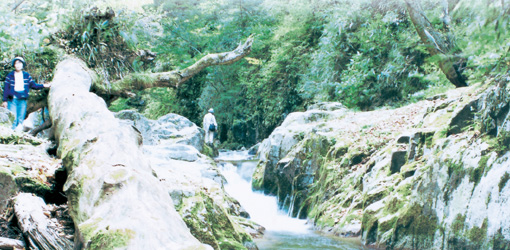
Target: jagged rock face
{"x":168,"y":129}
{"x":437,"y":179}
{"x":192,"y":180}
{"x":288,"y":162}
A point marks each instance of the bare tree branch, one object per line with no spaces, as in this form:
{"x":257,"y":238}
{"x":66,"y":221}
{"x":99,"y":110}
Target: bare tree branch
{"x":172,"y":79}
{"x":17,"y":5}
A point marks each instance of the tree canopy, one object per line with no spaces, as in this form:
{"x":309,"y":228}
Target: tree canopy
{"x":365,"y":54}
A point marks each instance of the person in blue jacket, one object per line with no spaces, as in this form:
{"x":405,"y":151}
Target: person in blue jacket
{"x":17,"y":85}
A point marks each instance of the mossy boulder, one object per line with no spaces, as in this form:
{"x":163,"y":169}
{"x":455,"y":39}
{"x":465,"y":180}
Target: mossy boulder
{"x":211,"y":224}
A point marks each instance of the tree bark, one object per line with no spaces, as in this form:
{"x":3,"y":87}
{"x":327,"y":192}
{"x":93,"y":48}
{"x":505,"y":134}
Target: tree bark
{"x":174,"y":78}
{"x":40,"y":232}
{"x":114,"y":198}
{"x":45,"y":125}
{"x":450,"y":62}
{"x":11,"y":244}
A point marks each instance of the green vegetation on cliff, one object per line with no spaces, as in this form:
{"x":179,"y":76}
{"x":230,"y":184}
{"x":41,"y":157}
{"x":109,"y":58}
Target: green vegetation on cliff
{"x":365,"y":54}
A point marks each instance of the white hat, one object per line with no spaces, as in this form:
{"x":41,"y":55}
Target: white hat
{"x":19,"y":58}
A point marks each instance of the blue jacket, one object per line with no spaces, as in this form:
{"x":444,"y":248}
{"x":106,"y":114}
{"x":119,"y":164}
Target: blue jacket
{"x":9,"y":86}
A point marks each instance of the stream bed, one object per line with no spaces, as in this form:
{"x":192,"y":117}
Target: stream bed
{"x":282,"y":231}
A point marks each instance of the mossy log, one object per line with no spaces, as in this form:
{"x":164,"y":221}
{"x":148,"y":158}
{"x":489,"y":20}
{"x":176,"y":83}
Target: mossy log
{"x":174,"y":78}
{"x":36,"y":226}
{"x":114,"y":198}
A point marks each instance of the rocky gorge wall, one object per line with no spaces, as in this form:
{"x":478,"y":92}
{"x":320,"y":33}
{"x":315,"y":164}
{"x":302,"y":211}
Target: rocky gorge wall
{"x":430,"y":175}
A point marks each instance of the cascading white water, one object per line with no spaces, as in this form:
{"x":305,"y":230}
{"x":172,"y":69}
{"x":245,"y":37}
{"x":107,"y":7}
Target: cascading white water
{"x":262,"y":209}
{"x":282,"y":231}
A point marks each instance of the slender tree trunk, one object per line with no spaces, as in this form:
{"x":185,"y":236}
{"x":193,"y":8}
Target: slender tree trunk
{"x":443,"y":46}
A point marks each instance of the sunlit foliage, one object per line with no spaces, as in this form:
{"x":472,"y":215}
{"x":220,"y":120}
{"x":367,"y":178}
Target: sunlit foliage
{"x":363,"y":53}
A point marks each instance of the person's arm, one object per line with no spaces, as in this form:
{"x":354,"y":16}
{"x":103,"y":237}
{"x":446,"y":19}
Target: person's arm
{"x":214,"y":121}
{"x":32,"y":84}
{"x":6,"y":93}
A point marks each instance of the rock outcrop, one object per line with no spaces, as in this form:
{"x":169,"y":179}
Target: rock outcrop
{"x":431,"y":175}
{"x":193,"y":181}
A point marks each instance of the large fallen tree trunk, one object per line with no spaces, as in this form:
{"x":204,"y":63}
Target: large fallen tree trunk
{"x":40,"y":232}
{"x":114,"y":198}
{"x":174,"y":78}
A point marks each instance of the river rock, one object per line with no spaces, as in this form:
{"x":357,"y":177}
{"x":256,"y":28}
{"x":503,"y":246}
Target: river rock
{"x":192,"y":180}
{"x":446,"y":189}
{"x":169,"y":129}
{"x":284,"y":138}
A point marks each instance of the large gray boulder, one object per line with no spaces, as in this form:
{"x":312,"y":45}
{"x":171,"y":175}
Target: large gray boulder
{"x":168,"y":129}
{"x":284,"y":154}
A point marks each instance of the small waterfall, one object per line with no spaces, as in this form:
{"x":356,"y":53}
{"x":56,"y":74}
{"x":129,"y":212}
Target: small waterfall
{"x":238,"y":169}
{"x":282,"y":232}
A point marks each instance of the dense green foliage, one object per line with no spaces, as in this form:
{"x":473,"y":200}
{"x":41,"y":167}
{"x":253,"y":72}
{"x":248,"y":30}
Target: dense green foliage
{"x":365,"y":54}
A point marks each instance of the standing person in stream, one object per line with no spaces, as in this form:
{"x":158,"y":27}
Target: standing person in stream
{"x":210,"y":126}
{"x":16,"y":88}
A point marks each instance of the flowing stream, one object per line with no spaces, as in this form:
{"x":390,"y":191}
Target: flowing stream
{"x":282,"y":231}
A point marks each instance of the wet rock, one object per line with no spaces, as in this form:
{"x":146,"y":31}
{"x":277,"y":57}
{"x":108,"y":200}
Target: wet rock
{"x":463,"y":118}
{"x":398,"y":159}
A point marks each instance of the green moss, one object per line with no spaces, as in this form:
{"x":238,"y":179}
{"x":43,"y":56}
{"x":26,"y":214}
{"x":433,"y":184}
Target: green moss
{"x":388,"y":225}
{"x":458,"y":224}
{"x":456,"y":173}
{"x":499,"y":242}
{"x":20,"y":139}
{"x":206,"y":150}
{"x":418,"y":223}
{"x":30,"y":185}
{"x":336,"y":153}
{"x":12,"y":169}
{"x":477,"y":235}
{"x":428,"y":140}
{"x":119,"y":104}
{"x":503,"y":181}
{"x":476,"y":174}
{"x":210,"y":223}
{"x":440,"y":134}
{"x":369,"y":226}
{"x":258,"y":177}
{"x":502,"y":144}
{"x":111,"y":239}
